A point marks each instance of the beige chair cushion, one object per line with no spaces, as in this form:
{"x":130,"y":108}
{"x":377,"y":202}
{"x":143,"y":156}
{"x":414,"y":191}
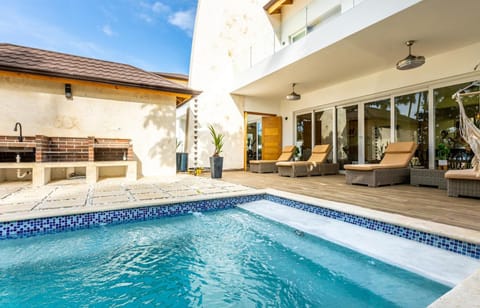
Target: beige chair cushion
{"x":266,"y":161}
{"x":370,"y":167}
{"x":397,"y":155}
{"x":320,"y":153}
{"x":287,"y":153}
{"x":293,"y":163}
{"x":468,"y":174}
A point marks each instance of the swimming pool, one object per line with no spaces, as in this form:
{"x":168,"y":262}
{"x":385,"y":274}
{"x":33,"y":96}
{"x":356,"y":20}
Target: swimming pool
{"x":214,"y":259}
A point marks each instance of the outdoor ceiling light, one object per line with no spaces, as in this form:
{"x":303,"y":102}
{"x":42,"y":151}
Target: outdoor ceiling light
{"x":293,"y":96}
{"x":410,"y":61}
{"x":68,"y":91}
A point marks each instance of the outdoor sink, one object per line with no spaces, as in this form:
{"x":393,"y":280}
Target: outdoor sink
{"x":10,"y":150}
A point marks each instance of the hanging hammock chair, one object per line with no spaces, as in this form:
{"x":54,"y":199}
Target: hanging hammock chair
{"x":469,"y":132}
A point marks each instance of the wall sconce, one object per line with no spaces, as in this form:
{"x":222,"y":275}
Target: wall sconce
{"x":68,"y":91}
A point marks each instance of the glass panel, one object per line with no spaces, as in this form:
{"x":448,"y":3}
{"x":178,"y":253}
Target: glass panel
{"x":347,"y":135}
{"x":458,"y":153}
{"x":252,"y":142}
{"x":304,"y":135}
{"x":259,"y":140}
{"x":411,"y":123}
{"x":324,"y":129}
{"x":377,"y":129}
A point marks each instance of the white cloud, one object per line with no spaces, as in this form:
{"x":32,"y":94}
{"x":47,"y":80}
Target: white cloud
{"x":107,"y":30}
{"x":183,"y":20}
{"x":146,"y":17}
{"x":159,"y":7}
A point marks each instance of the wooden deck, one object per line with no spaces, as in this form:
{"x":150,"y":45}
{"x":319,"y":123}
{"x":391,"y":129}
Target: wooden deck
{"x":421,"y":202}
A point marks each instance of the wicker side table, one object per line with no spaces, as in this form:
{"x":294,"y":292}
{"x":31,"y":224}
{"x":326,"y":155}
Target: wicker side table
{"x":428,"y":177}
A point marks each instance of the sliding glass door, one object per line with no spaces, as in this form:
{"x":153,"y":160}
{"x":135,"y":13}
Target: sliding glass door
{"x":411,"y":123}
{"x":377,"y":129}
{"x":347,"y":135}
{"x":324,"y":129}
{"x":304,"y":135}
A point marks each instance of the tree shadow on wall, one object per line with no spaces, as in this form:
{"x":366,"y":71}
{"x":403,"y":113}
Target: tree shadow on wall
{"x":163,"y":119}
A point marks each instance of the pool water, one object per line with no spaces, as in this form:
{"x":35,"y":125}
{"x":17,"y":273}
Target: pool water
{"x":225,"y":258}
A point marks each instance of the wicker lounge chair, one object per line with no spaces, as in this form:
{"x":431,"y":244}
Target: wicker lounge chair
{"x":315,"y":165}
{"x":266,"y":166}
{"x":463,"y":183}
{"x":393,"y":169}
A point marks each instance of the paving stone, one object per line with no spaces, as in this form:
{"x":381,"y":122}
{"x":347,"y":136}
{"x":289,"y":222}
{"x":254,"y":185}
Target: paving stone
{"x":146,"y":190}
{"x":151,"y":196}
{"x":107,"y":193}
{"x":54,"y":204}
{"x":17,"y":207}
{"x":110,"y":199}
{"x":184,"y":193}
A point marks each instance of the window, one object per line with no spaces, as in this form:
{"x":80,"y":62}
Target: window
{"x":298,"y":35}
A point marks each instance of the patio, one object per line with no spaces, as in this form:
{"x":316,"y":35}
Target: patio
{"x":19,"y":200}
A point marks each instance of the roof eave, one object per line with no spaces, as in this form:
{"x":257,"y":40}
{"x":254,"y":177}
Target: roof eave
{"x":186,"y":91}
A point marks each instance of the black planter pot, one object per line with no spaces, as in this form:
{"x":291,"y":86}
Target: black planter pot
{"x":182,"y":162}
{"x":216,"y":166}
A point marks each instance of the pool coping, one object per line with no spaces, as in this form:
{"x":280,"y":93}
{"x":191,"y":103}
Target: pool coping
{"x":453,"y":232}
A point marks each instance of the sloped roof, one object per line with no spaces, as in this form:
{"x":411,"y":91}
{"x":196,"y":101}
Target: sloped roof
{"x":49,"y":63}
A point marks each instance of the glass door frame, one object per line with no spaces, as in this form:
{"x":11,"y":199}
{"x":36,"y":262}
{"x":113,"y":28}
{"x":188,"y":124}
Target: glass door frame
{"x":245,"y":132}
{"x":429,"y":86}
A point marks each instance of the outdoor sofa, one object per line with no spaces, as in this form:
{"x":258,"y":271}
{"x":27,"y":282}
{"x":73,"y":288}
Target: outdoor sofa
{"x":266,"y":166}
{"x":392,"y":169}
{"x":315,"y":165}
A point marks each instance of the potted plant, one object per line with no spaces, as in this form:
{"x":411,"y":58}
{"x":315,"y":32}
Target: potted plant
{"x":216,"y":161}
{"x":182,"y":159}
{"x":443,"y":152}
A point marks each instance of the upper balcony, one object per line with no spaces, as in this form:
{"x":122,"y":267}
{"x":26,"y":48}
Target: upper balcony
{"x":329,"y":41}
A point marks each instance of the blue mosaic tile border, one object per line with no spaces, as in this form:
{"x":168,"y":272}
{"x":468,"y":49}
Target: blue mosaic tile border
{"x":453,"y":245}
{"x":39,"y":226}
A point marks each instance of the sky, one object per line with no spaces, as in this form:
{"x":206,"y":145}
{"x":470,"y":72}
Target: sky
{"x":153,"y":35}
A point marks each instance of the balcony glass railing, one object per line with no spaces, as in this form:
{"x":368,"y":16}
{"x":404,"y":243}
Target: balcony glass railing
{"x":293,"y":28}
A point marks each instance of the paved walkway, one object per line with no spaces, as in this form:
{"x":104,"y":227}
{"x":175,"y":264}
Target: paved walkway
{"x":20,"y":199}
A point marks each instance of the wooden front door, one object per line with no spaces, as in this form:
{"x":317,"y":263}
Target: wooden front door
{"x":271,"y":137}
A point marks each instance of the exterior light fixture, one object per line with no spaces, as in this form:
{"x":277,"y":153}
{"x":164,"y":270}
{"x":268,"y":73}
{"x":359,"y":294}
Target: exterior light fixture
{"x":293,"y":96}
{"x":410,"y":61}
{"x":68,"y":91}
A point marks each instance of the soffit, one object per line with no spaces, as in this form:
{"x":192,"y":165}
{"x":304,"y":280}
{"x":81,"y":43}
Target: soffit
{"x":275,"y":6}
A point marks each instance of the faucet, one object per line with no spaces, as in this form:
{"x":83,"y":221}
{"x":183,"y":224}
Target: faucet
{"x":18,"y":124}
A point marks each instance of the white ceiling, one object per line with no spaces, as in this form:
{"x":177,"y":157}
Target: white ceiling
{"x":437,"y":25}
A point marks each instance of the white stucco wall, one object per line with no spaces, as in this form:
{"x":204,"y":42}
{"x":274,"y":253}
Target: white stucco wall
{"x":222,"y":34}
{"x":145,"y":117}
